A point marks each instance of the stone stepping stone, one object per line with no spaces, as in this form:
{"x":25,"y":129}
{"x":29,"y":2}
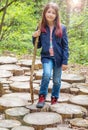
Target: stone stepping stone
{"x":80,"y":100}
{"x":3,"y":129}
{"x":21,"y":86}
{"x":64,"y":97}
{"x":11,"y":102}
{"x":22,"y":95}
{"x":7,"y":60}
{"x":41,"y":120}
{"x":7,"y":123}
{"x":79,"y":122}
{"x":73,"y":78}
{"x":33,"y":108}
{"x":5,"y":74}
{"x":69,"y":110}
{"x":16,"y":113}
{"x":21,"y":78}
{"x":23,"y":128}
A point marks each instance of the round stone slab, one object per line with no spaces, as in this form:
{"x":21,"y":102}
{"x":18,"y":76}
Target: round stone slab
{"x":79,"y":122}
{"x":69,"y":110}
{"x":9,"y":123}
{"x":5,"y":74}
{"x":72,"y":78}
{"x":42,"y":118}
{"x":80,"y":100}
{"x":22,"y":128}
{"x":7,"y":60}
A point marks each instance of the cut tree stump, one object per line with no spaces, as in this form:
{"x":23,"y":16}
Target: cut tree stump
{"x":21,"y":86}
{"x":65,"y":87}
{"x":28,"y":63}
{"x":73,"y":78}
{"x":23,"y":128}
{"x":51,"y":129}
{"x":4,"y":129}
{"x":38,"y":74}
{"x":5,"y":74}
{"x":21,"y":95}
{"x":80,"y":100}
{"x":79,"y":122}
{"x":41,"y":120}
{"x":16,"y":113}
{"x":83,"y":87}
{"x":9,"y":123}
{"x":12,"y":67}
{"x":74,"y":91}
{"x":33,"y":108}
{"x":11,"y":102}
{"x":64,"y":97}
{"x":69,"y":110}
{"x":21,"y":78}
{"x":7,"y":60}
{"x":64,"y":128}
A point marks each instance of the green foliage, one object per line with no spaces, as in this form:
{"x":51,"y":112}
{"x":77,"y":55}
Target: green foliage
{"x":22,"y":18}
{"x":78,"y":38}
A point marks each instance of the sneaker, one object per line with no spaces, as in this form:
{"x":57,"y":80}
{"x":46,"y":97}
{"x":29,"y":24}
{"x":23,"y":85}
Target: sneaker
{"x":41,"y":101}
{"x":53,"y":100}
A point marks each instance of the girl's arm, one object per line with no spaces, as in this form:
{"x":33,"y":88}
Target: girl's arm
{"x":64,"y":43}
{"x":36,"y":34}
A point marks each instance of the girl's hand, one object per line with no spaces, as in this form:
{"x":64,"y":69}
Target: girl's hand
{"x":36,"y":33}
{"x":64,"y":67}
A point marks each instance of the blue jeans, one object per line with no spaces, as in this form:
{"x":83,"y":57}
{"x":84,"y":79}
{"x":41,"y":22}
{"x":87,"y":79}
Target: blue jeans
{"x":47,"y":73}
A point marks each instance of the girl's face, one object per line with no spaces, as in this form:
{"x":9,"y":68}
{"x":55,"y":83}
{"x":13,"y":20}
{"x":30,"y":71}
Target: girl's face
{"x":50,"y":15}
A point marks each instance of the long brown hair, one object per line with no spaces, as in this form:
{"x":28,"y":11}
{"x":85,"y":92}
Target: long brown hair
{"x":43,"y":24}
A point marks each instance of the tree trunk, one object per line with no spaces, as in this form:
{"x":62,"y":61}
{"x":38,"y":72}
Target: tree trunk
{"x":2,"y":20}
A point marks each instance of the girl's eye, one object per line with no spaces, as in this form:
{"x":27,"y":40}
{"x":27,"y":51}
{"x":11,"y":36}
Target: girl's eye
{"x":51,"y":12}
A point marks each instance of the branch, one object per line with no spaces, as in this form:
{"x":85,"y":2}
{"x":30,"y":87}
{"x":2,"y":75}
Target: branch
{"x":7,"y":5}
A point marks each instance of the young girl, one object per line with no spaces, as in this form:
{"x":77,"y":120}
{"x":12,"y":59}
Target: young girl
{"x":54,"y":54}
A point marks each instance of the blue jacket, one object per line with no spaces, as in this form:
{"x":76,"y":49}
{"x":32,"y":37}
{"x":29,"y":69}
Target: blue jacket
{"x":60,"y":46}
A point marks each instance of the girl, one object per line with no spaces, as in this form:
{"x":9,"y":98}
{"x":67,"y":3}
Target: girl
{"x":54,"y":54}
